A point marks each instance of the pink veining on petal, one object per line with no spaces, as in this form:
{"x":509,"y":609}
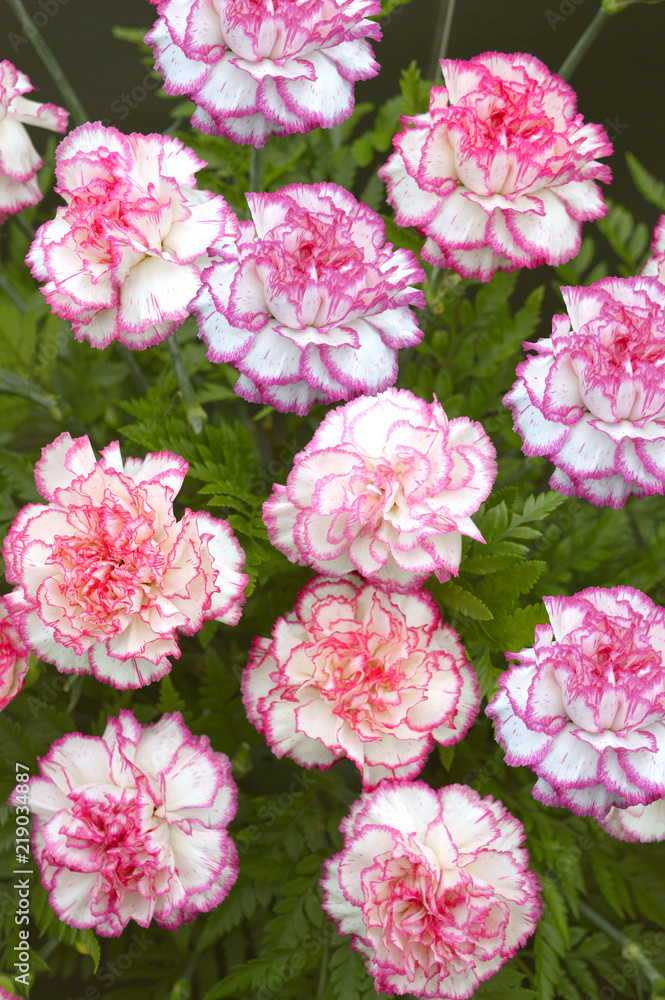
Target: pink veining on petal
{"x":19,"y":160}
{"x":593,"y":398}
{"x":106,"y":576}
{"x":584,"y":707}
{"x":386,"y":488}
{"x":356,"y":671}
{"x":255,"y":69}
{"x":14,"y":657}
{"x":132,"y":825}
{"x":501,"y":171}
{"x":123,"y":258}
{"x":313,"y":304}
{"x":433,"y":886}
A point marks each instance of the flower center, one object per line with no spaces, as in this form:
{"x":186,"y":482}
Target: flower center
{"x":425,"y":920}
{"x":109,"y":567}
{"x":113,"y":833}
{"x":610,"y":667}
{"x":358,"y":672}
{"x":313,"y":245}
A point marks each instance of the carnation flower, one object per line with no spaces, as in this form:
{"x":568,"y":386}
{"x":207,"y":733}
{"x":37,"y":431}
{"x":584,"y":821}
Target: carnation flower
{"x":433,"y":886}
{"x":355,"y":671}
{"x":19,"y":160}
{"x":500,"y":173}
{"x":636,"y":823}
{"x":255,"y":69}
{"x":132,"y":825}
{"x":315,"y":304}
{"x":593,"y":398}
{"x":386,"y":487}
{"x":123,"y":259}
{"x":14,"y":657}
{"x":655,"y":266}
{"x":584,"y":707}
{"x":106,"y":576}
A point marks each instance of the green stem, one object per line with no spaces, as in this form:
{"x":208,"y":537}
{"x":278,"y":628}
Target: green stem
{"x":323,"y":973}
{"x":53,"y":66}
{"x":128,"y":358}
{"x":26,"y":227}
{"x":256,"y":170}
{"x":629,"y":949}
{"x":196,"y":415}
{"x":11,"y":293}
{"x":579,"y":50}
{"x":445,"y":37}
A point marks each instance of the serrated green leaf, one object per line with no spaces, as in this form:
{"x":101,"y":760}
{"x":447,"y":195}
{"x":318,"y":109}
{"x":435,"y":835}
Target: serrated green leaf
{"x":454,"y":597}
{"x":169,"y":699}
{"x":518,"y":629}
{"x":652,"y":189}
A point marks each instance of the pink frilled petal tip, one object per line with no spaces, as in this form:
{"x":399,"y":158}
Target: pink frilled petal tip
{"x":106,"y":577}
{"x":592,"y":399}
{"x":501,"y":171}
{"x":132,"y":825}
{"x":386,"y":488}
{"x":359,"y":672}
{"x":655,"y":266}
{"x":19,"y":160}
{"x":258,"y":70}
{"x":14,"y":657}
{"x":584,"y":707}
{"x":639,"y":824}
{"x":123,"y":258}
{"x":313,"y":304}
{"x":433,"y":886}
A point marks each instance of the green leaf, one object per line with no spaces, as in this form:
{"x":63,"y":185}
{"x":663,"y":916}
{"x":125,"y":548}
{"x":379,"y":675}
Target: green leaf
{"x":169,"y":699}
{"x":388,"y":6}
{"x":483,"y":565}
{"x":454,"y":597}
{"x":653,"y":190}
{"x":627,"y":238}
{"x":16,"y":385}
{"x":518,"y":629}
{"x":446,"y":755}
{"x":504,"y":985}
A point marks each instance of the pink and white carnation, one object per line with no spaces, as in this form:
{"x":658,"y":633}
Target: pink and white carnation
{"x":106,"y":577}
{"x":123,"y":259}
{"x":501,"y":171}
{"x":584,"y":708}
{"x":14,"y":657}
{"x":357,"y":672}
{"x":386,"y":487}
{"x":434,"y":887}
{"x":592,"y":399}
{"x":255,"y":69}
{"x":639,"y":824}
{"x":314,"y":305}
{"x":131,"y":825}
{"x":19,"y":160}
{"x":655,"y":266}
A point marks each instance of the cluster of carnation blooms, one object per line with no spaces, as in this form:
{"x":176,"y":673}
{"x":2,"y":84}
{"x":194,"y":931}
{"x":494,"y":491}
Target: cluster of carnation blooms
{"x":310,"y":304}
